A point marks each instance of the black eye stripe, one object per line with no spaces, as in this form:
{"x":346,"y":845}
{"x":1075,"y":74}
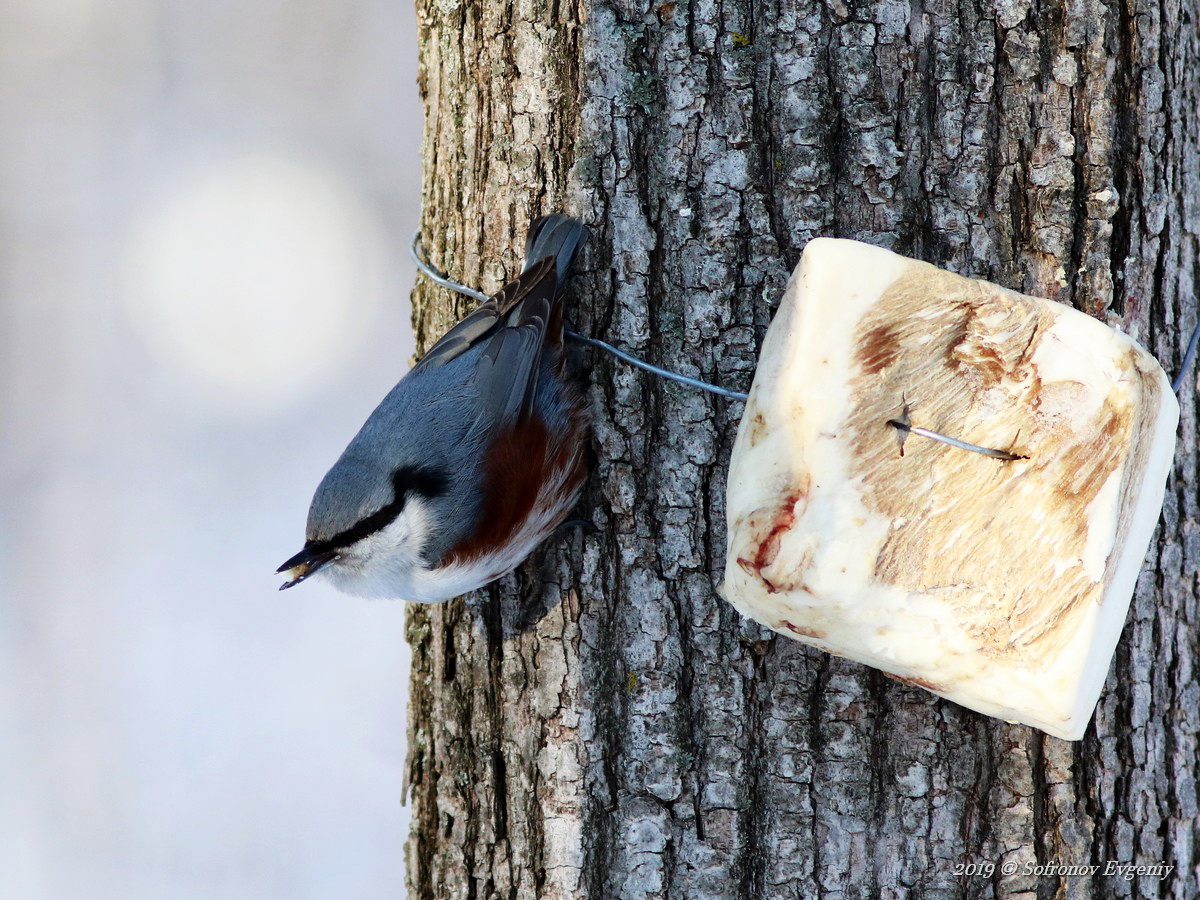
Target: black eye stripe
{"x":407,"y":480}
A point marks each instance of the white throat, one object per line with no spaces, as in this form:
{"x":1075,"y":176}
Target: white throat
{"x":388,"y":564}
{"x":384,"y":564}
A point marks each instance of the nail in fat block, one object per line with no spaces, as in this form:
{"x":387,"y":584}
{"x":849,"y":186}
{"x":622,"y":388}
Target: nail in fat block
{"x":1001,"y":584}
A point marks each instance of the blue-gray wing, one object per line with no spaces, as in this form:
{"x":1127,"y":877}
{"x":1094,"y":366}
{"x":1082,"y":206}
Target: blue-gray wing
{"x":507,"y":372}
{"x":511,"y":327}
{"x":463,"y":336}
{"x":514,"y":325}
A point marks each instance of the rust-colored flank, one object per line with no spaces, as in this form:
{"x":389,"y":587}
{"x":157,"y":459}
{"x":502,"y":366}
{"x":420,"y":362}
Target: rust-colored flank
{"x":518,"y":464}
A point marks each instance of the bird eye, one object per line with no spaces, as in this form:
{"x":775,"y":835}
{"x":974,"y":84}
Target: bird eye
{"x":425,"y":481}
{"x":422,"y":481}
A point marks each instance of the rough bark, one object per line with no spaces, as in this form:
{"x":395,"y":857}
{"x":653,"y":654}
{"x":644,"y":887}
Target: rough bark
{"x":601,"y":724}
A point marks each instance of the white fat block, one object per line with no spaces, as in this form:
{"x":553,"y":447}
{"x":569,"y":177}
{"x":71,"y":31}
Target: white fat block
{"x":1000,"y":585}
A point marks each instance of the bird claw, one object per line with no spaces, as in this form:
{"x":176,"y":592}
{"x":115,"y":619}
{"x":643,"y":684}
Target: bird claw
{"x":588,"y":526}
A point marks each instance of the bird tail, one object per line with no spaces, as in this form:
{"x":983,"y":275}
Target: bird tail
{"x":559,"y":236}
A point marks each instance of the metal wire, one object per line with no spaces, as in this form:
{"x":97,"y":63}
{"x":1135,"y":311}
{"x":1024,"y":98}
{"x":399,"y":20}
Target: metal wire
{"x":1188,"y":356}
{"x":954,"y":442}
{"x":442,"y":281}
{"x":439,"y":279}
{"x":655,"y":370}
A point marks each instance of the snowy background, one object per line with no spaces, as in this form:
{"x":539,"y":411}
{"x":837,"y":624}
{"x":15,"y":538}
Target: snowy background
{"x":204,"y":215}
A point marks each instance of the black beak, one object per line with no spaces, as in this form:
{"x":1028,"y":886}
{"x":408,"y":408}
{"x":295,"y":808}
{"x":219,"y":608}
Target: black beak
{"x":309,"y":560}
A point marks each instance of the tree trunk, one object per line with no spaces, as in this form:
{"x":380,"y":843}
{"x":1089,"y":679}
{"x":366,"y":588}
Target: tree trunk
{"x":601,"y":724}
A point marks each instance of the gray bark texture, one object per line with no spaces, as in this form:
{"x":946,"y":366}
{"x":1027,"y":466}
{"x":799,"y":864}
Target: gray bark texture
{"x":601,"y":724}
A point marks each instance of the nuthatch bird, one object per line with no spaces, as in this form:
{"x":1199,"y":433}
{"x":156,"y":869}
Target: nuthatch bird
{"x":474,"y":458}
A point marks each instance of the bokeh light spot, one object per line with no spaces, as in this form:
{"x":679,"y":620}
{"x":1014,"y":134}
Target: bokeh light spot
{"x":258,"y":277}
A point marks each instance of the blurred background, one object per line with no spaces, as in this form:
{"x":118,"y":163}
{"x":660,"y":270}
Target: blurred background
{"x":204,"y":217}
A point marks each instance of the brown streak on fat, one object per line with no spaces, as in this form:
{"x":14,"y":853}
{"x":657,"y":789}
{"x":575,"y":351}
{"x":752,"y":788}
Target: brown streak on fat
{"x":768,"y":534}
{"x":916,"y":682}
{"x":758,"y":427}
{"x":877,"y":349}
{"x":785,"y":518}
{"x":803,"y":631}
